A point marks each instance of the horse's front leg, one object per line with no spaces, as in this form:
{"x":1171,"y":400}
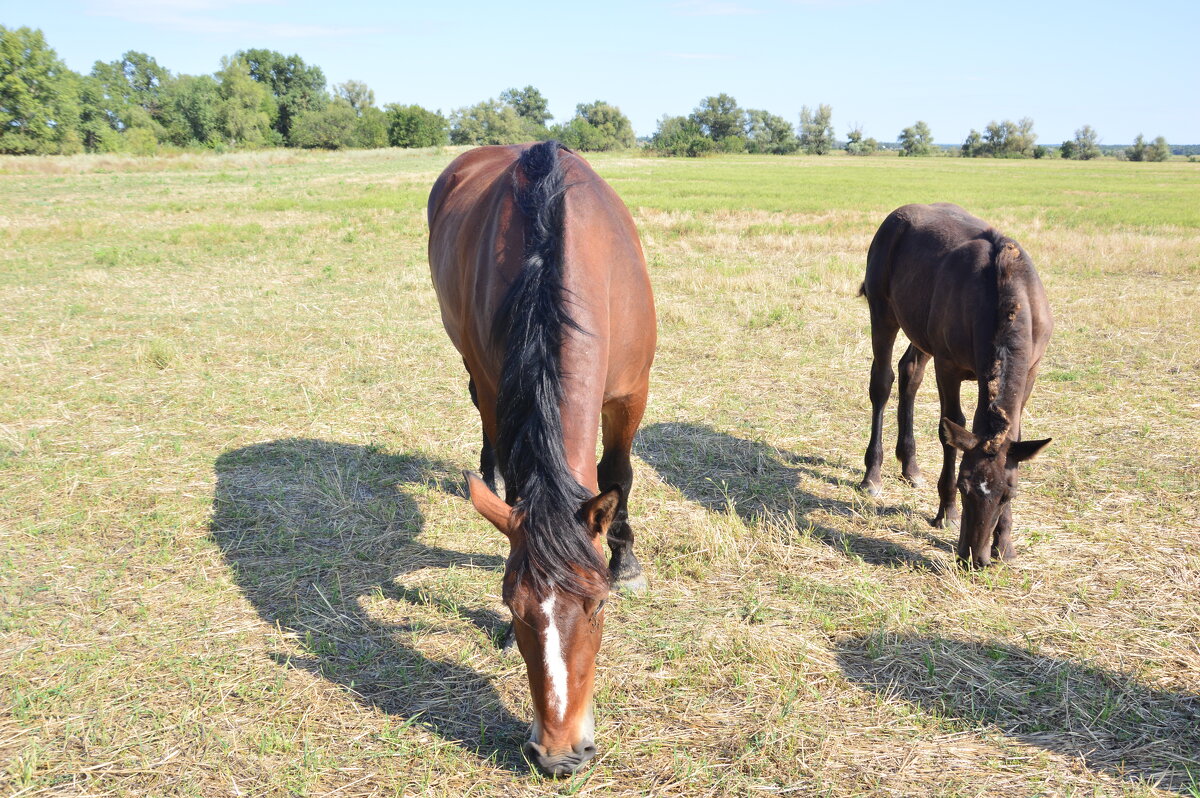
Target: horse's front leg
{"x":949,"y":391}
{"x":620,"y":423}
{"x":912,"y":371}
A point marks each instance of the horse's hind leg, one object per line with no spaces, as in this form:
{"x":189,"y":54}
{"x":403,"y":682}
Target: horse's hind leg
{"x":487,"y":455}
{"x":620,"y":422}
{"x":883,"y":337}
{"x":949,"y":391}
{"x":912,"y":370}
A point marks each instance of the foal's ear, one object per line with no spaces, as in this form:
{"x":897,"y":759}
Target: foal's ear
{"x":488,"y":503}
{"x":1020,"y":451}
{"x":958,"y":436}
{"x":599,"y":511}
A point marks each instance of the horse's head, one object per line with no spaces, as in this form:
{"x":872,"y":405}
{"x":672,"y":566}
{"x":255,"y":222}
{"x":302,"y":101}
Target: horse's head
{"x":558,"y":633}
{"x":987,"y":480}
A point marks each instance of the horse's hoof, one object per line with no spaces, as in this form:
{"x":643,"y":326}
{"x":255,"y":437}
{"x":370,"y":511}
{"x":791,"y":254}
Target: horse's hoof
{"x":872,"y":489}
{"x":916,"y":480}
{"x":508,"y":643}
{"x":634,"y":584}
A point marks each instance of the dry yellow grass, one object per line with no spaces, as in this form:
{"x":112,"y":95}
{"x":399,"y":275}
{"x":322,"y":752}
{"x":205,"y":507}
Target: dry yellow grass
{"x":235,"y":558}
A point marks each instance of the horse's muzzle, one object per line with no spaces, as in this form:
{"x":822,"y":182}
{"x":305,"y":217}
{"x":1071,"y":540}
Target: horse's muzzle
{"x":561,"y":764}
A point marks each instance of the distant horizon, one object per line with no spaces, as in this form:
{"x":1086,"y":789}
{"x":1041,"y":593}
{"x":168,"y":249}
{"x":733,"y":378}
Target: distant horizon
{"x":880,"y":64}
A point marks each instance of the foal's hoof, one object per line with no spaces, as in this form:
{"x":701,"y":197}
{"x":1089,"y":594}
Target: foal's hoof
{"x":872,"y":489}
{"x":916,"y":480}
{"x":633,"y":584}
{"x":943,"y":521}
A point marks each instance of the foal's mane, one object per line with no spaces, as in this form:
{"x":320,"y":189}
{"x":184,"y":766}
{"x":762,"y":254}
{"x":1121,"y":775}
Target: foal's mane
{"x":1010,"y":342}
{"x":531,"y":325}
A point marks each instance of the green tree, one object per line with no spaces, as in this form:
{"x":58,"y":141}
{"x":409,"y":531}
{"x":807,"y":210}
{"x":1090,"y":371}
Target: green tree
{"x":1067,"y":149}
{"x":528,"y":103}
{"x":681,"y":135}
{"x":39,"y":96}
{"x":192,"y":111}
{"x":1138,"y":151}
{"x":132,"y":91}
{"x":356,"y":94}
{"x":328,"y":128}
{"x":1008,"y":139}
{"x":96,"y":115}
{"x":1086,"y":145}
{"x":767,"y":133}
{"x":973,"y":146}
{"x":720,"y":117}
{"x":492,"y":122}
{"x":596,"y":126}
{"x":916,"y":140}
{"x":243,"y":115}
{"x":816,"y":129}
{"x":371,"y":129}
{"x":295,"y":86}
{"x":414,"y":126}
{"x":1159,"y":150}
{"x":857,"y":145}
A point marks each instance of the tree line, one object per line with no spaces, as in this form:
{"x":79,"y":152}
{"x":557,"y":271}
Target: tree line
{"x":262,"y":98}
{"x":257,"y":98}
{"x":718,"y":124}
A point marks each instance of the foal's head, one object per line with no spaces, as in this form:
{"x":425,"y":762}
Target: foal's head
{"x":558,"y":633}
{"x":987,"y":480}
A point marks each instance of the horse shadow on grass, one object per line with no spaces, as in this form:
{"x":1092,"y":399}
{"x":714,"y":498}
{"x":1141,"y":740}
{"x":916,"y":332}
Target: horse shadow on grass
{"x":725,"y":473}
{"x":1110,"y":721}
{"x":310,"y":530}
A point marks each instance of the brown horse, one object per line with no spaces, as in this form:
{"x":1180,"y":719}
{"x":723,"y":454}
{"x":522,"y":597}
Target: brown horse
{"x":970,"y":298}
{"x":544,"y":291}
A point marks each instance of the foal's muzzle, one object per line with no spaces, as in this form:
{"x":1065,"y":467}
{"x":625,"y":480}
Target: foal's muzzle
{"x":561,"y":764}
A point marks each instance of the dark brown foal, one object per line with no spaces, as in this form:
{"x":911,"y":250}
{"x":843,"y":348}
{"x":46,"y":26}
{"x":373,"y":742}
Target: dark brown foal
{"x":971,"y":299}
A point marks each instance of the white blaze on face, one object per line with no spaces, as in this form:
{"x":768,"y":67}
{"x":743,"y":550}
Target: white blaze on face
{"x":983,"y":488}
{"x":556,"y":666}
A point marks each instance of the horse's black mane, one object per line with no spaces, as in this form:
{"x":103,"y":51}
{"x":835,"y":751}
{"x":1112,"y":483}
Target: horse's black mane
{"x":1009,"y":343}
{"x":530,"y":325}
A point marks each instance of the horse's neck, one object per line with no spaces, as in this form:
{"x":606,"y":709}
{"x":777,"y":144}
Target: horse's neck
{"x":583,"y":393}
{"x":1002,"y":385}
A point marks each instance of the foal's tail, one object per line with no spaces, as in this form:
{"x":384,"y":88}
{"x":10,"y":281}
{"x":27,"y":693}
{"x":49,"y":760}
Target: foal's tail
{"x":532,"y":323}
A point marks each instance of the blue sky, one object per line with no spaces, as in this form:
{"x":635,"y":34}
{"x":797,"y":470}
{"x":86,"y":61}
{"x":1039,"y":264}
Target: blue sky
{"x":882,"y":64}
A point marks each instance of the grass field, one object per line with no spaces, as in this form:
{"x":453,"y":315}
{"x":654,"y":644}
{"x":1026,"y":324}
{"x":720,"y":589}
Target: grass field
{"x":235,"y":556}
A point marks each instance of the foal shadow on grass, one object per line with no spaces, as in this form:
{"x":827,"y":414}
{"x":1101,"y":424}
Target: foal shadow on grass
{"x":311,"y":529}
{"x":757,"y":481}
{"x":1113,"y":723}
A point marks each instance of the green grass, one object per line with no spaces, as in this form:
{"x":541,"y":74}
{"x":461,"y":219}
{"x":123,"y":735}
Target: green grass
{"x":235,"y":555}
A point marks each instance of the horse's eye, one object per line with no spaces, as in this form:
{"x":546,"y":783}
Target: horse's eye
{"x":600,"y":606}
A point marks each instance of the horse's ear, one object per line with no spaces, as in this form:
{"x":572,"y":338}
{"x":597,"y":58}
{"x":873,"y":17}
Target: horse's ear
{"x":958,"y":436}
{"x":489,"y":504}
{"x":599,"y":511}
{"x":1020,"y":451}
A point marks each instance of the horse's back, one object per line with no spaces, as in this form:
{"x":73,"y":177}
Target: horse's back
{"x":476,"y":251}
{"x":930,"y":270}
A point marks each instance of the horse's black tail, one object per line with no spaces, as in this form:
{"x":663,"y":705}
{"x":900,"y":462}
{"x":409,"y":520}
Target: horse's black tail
{"x":531,"y":323}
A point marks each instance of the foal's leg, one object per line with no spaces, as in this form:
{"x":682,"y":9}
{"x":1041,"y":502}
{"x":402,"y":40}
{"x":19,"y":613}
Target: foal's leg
{"x":620,"y":422}
{"x":883,"y":337}
{"x":949,"y":391}
{"x":912,"y":371}
{"x":487,"y":455}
